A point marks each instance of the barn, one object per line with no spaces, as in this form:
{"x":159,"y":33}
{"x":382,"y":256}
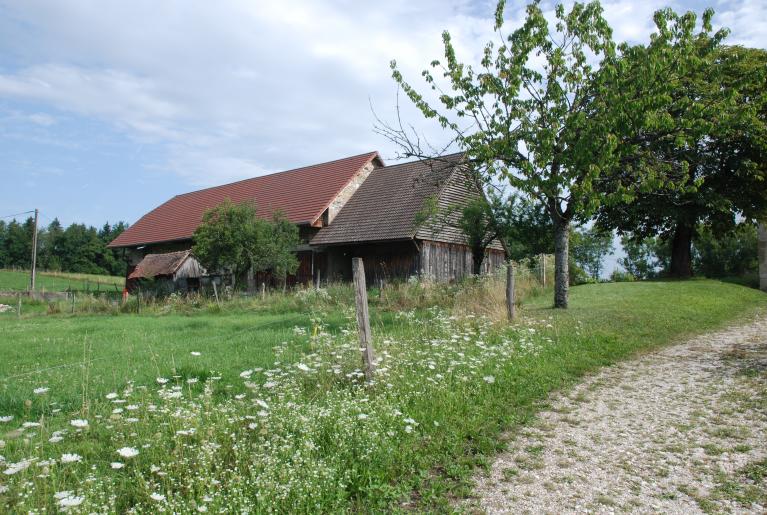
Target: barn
{"x":351,"y":207}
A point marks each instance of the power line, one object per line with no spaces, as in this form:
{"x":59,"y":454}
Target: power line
{"x":17,"y":214}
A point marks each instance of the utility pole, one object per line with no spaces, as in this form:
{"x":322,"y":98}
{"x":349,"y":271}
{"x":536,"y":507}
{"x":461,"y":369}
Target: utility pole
{"x":34,"y":255}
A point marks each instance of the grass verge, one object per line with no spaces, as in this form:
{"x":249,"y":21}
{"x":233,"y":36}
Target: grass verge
{"x":305,"y":434}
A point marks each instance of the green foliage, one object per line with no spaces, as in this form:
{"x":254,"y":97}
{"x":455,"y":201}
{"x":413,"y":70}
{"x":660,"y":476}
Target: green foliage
{"x":283,"y":240}
{"x":619,"y":276}
{"x":733,"y":254}
{"x":526,"y":228}
{"x":589,"y":248}
{"x":233,"y":238}
{"x":645,"y":258}
{"x":705,"y":132}
{"x":547,"y":110}
{"x":78,"y":248}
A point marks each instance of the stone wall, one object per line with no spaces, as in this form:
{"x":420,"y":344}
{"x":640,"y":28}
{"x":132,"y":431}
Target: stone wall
{"x":763,"y":256}
{"x":348,"y":191}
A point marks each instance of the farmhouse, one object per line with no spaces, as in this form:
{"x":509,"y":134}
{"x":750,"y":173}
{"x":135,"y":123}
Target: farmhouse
{"x":351,"y":207}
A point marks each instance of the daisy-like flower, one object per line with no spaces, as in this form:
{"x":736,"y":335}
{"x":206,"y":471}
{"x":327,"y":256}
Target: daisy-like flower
{"x":261,"y":403}
{"x":161,"y":380}
{"x":246,"y":374}
{"x":79,"y":422}
{"x":128,"y":452}
{"x":6,"y":418}
{"x":41,"y":390}
{"x":70,"y":458}
{"x":157,"y":497}
{"x":55,"y":439}
{"x":303,"y":368}
{"x":116,"y":465}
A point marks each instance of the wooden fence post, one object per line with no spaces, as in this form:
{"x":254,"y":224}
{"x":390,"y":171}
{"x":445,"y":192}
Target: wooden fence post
{"x":510,"y":307}
{"x":73,"y":302}
{"x":263,"y":291}
{"x":18,"y":308}
{"x":363,"y":318}
{"x":215,"y":293}
{"x":317,"y":286}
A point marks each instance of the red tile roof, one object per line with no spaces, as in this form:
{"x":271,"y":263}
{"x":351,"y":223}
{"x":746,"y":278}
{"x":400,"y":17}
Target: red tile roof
{"x":302,"y":194}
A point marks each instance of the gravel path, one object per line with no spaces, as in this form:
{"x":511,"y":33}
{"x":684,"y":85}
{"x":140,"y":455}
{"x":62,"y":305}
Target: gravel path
{"x":683,"y":430}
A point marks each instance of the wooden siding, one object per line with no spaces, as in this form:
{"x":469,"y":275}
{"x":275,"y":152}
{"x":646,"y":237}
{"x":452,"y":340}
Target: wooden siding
{"x":449,"y":262}
{"x":457,"y":191}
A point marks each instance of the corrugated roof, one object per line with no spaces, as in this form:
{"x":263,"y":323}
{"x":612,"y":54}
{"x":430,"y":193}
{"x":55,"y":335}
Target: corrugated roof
{"x":159,"y":264}
{"x":302,"y":194}
{"x":386,"y":205}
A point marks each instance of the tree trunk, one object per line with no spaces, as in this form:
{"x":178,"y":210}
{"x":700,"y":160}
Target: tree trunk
{"x":561,"y":265}
{"x":477,"y":257}
{"x":681,"y":251}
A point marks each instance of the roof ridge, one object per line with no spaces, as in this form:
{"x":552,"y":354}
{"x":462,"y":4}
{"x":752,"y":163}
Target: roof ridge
{"x":300,"y":168}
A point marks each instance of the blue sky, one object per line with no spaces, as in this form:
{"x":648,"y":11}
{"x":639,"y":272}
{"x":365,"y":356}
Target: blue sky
{"x":109,"y":108}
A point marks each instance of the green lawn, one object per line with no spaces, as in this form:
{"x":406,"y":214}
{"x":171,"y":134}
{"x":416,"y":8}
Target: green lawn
{"x":306,"y":435}
{"x":16,"y":280}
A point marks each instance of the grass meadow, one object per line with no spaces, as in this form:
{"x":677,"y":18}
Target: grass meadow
{"x":261,"y":407}
{"x":18,"y":280}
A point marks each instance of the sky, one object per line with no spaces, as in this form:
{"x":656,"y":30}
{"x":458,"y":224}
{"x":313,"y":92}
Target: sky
{"x":109,"y":108}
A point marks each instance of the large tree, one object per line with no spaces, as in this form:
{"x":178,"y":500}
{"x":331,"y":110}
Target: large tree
{"x":233,"y":237}
{"x":537,"y":115}
{"x":710,"y":134}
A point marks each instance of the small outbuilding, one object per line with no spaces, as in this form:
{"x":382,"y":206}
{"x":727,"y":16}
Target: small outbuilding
{"x":166,"y":273}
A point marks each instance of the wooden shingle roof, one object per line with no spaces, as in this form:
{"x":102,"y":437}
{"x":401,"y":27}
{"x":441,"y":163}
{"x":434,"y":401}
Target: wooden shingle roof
{"x":302,"y":194}
{"x":159,"y":264}
{"x":387,"y":204}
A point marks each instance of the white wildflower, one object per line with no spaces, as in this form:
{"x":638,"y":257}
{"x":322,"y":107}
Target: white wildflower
{"x":263,"y":413}
{"x":70,"y":458}
{"x":128,"y":452}
{"x":195,"y":353}
{"x":13,"y":468}
{"x":41,"y":390}
{"x":362,"y":416}
{"x":55,"y":439}
{"x":79,"y":422}
{"x":111,"y":396}
{"x":6,"y":418}
{"x":70,"y":501}
{"x":489,"y":379}
{"x":246,"y":374}
{"x":303,"y":367}
{"x":261,"y":403}
{"x":161,"y":380}
{"x":157,"y":497}
{"x":192,"y":380}
{"x":117,"y":465}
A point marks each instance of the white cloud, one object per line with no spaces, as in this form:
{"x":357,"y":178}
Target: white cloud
{"x":232,"y":89}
